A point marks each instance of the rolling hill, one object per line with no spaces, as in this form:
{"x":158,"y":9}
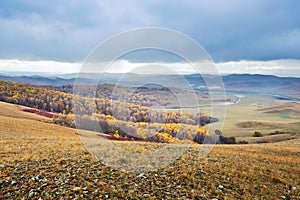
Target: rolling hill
{"x":266,"y":84}
{"x":42,"y":160}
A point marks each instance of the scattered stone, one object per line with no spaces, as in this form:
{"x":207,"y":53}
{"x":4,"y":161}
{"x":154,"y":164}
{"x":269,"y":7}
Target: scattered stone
{"x":294,"y":188}
{"x":76,"y":189}
{"x":95,"y":192}
{"x":45,"y":180}
{"x":221,"y":187}
{"x":136,"y":185}
{"x":37,"y":178}
{"x":32,"y":193}
{"x":14,"y":182}
{"x":146,"y":195}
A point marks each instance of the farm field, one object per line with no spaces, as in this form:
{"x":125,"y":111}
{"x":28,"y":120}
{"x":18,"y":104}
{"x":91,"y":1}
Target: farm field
{"x":44,"y":160}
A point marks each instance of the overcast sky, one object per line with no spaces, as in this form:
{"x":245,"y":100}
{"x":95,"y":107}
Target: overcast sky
{"x":247,"y":33}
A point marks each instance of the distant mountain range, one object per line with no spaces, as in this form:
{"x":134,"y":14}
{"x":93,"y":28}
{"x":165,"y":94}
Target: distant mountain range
{"x":267,"y":84}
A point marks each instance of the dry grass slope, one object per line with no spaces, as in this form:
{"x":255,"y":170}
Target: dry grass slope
{"x":43,"y":160}
{"x":16,"y":111}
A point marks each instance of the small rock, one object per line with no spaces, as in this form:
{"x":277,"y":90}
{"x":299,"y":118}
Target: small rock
{"x":294,"y":188}
{"x":214,"y":199}
{"x":164,"y":173}
{"x":32,"y":193}
{"x":76,"y":189}
{"x":45,"y":180}
{"x":146,"y":195}
{"x":284,"y":197}
{"x":136,"y":185}
{"x":14,"y":182}
{"x":6,"y":183}
{"x":96,"y":192}
{"x":37,"y":178}
{"x":221,"y":187}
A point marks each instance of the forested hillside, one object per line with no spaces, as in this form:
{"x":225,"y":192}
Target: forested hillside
{"x":133,"y":119}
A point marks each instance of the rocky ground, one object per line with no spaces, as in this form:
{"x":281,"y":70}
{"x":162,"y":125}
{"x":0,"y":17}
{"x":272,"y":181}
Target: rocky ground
{"x":45,"y":161}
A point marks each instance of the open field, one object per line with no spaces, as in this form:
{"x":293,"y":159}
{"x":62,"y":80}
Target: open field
{"x":16,"y":111}
{"x":44,"y":160}
{"x":266,"y":114}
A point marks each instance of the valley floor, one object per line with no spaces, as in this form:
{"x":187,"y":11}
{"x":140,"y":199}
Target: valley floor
{"x":39,"y":159}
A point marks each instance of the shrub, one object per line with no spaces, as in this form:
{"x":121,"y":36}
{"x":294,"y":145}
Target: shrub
{"x":277,"y":133}
{"x":225,"y":140}
{"x":257,"y":134}
{"x":218,"y":132}
{"x":243,"y":142}
{"x":199,"y":138}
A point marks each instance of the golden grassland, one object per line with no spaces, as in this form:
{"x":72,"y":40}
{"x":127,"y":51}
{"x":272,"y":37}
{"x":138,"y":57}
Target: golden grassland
{"x":16,"y":111}
{"x":266,"y":114}
{"x":44,"y":160}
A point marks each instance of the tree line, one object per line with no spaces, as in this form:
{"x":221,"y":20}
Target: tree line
{"x":131,"y":118}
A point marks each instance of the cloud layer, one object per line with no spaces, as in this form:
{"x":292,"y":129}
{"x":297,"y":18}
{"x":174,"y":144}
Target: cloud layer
{"x":229,"y":30}
{"x":274,"y":67}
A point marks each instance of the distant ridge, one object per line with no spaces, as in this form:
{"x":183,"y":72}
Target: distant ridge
{"x":234,"y":82}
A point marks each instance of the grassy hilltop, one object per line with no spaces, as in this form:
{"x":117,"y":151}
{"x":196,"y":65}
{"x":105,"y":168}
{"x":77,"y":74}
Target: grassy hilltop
{"x":39,"y":159}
